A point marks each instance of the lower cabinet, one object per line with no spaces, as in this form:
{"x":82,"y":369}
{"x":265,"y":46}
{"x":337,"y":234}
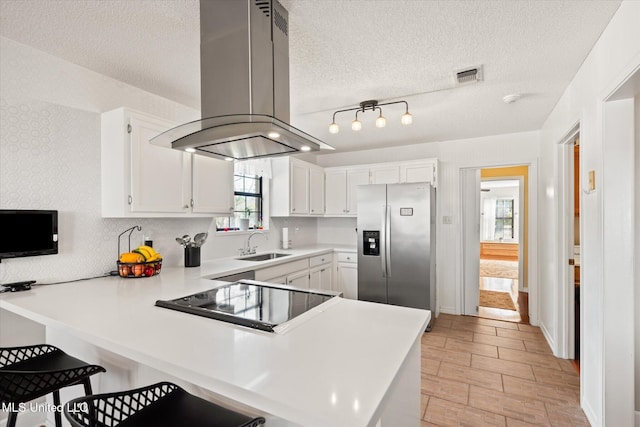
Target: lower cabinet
{"x":347,"y":274}
{"x":320,"y":277}
{"x":299,"y":279}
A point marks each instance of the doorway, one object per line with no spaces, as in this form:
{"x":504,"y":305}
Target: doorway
{"x":501,"y":238}
{"x":505,"y":240}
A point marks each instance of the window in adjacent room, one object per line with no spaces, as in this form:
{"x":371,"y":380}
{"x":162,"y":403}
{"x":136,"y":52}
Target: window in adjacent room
{"x":248,"y":202}
{"x":504,"y":219}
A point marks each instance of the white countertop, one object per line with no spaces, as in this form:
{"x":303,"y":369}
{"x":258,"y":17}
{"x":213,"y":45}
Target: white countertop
{"x":333,"y":369}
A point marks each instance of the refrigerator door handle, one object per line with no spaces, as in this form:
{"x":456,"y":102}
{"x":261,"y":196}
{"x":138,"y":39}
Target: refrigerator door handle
{"x":387,"y":240}
{"x":383,"y":241}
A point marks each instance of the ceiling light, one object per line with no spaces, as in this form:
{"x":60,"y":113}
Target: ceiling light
{"x":190,"y":150}
{"x":229,"y":159}
{"x":356,"y":124}
{"x":381,"y":121}
{"x":305,"y":148}
{"x":372,"y":105}
{"x":273,"y":134}
{"x":511,"y":98}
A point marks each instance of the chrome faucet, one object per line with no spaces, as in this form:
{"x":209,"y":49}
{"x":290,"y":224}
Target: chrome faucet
{"x":248,"y":250}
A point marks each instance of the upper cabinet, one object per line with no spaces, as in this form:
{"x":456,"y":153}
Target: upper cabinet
{"x":297,"y":187}
{"x":341,"y":189}
{"x":420,"y":171}
{"x":144,"y":180}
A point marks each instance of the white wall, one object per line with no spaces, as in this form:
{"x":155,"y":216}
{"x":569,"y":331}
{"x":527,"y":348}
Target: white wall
{"x":50,"y":159}
{"x":615,"y":54}
{"x":499,"y":150}
{"x":636,"y":285}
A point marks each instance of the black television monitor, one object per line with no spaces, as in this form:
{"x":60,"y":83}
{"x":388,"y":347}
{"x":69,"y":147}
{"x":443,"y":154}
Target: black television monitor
{"x":28,"y":233}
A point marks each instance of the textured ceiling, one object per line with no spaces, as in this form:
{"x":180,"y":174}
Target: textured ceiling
{"x":346,"y":51}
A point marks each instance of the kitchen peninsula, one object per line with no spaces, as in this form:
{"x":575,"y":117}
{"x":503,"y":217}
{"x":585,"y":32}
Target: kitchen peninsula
{"x":344,"y":363}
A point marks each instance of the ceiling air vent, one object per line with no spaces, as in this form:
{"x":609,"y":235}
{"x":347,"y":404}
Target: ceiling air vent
{"x":469,"y":75}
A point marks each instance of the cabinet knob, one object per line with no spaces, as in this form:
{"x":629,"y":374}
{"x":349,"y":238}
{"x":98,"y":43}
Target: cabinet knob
{"x":231,"y":209}
{"x":293,"y":210}
{"x":186,"y":206}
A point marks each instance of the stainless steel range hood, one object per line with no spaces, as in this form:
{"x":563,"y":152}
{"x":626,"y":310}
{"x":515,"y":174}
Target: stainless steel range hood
{"x":244,"y":75}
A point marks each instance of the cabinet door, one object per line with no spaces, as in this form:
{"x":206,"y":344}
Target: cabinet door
{"x":418,"y":172}
{"x":299,"y":279}
{"x":212,"y":185}
{"x":355,"y":177}
{"x":348,"y":280}
{"x":299,"y":188}
{"x":281,"y":280}
{"x":385,"y":175}
{"x":335,"y":192}
{"x":160,"y":176}
{"x":316,"y":191}
{"x":320,"y":277}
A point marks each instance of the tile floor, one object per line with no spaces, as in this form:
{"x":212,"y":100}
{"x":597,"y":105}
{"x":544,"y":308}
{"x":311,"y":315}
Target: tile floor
{"x":482,"y":372}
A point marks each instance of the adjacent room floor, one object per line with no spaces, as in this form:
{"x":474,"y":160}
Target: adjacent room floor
{"x":482,"y":372}
{"x":499,"y":280}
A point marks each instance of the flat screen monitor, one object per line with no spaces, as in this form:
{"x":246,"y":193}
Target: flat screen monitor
{"x":28,"y":233}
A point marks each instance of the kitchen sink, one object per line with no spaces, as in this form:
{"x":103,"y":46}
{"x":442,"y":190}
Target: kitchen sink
{"x":263,"y":257}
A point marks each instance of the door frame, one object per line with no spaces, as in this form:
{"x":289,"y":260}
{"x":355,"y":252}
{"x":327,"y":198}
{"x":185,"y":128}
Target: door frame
{"x":566,"y":224}
{"x":521,"y":244}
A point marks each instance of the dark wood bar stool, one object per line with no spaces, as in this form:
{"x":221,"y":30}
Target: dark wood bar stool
{"x":27,"y":373}
{"x":160,"y":405}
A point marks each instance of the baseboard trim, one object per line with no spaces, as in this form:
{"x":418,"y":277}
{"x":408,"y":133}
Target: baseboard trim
{"x":590,"y":414}
{"x":448,"y":310}
{"x":550,"y":341}
{"x":637,"y":418}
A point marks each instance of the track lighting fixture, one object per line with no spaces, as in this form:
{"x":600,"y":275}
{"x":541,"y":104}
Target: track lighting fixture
{"x":372,"y":105}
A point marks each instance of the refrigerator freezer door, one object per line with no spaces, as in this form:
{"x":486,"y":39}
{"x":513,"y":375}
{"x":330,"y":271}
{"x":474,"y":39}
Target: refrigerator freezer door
{"x":409,"y":245}
{"x":372,"y":283}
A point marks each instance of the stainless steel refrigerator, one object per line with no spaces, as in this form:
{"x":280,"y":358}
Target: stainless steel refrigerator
{"x":396,"y":245}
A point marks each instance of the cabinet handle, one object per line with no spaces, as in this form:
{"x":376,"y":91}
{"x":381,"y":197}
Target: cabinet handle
{"x":231,"y":209}
{"x":191,"y":202}
{"x":321,"y":271}
{"x":186,"y":207}
{"x":293,"y":209}
{"x":130,"y":199}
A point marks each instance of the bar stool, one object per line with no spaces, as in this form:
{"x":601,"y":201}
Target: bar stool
{"x":158,"y":405}
{"x":30,"y":372}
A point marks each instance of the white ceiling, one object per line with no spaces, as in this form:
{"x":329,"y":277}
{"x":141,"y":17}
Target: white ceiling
{"x":346,"y":51}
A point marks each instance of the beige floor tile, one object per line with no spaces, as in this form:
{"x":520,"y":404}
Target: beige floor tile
{"x":520,"y":370}
{"x":518,"y":407}
{"x":496,"y":323}
{"x":543,"y":360}
{"x":424,"y":400}
{"x":528,"y":328}
{"x":444,"y":320}
{"x":458,"y":334}
{"x":444,"y":413}
{"x":499,"y":341}
{"x":537,"y":346}
{"x":443,"y":388}
{"x":457,"y":357}
{"x":543,"y":392}
{"x":520,"y":335}
{"x":472,"y":347}
{"x":553,"y":377}
{"x":430,"y":366}
{"x":434,"y":340}
{"x":470,"y":375}
{"x":424,"y":423}
{"x":564,"y":415}
{"x":568,"y":366}
{"x":511,"y":422}
{"x":473,"y":327}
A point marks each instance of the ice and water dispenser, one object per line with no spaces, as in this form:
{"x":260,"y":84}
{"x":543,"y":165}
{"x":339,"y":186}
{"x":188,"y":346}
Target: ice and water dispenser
{"x":371,"y":242}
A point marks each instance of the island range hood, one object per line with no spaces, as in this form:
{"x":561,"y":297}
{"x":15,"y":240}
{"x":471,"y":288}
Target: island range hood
{"x":244,"y":75}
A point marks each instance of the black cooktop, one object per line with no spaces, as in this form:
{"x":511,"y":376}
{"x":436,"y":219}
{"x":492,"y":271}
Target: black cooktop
{"x":248,"y":303}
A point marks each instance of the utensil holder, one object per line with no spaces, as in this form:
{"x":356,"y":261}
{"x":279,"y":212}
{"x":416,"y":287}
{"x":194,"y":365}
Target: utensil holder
{"x":192,"y":256}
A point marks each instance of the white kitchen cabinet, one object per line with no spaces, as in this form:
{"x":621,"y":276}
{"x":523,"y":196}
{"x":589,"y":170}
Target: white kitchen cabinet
{"x":139,"y":179}
{"x":341,"y":190}
{"x":316,"y":190}
{"x":320,"y":277}
{"x":420,"y":171}
{"x":299,"y":279}
{"x":347,"y":274}
{"x":297,"y":188}
{"x":212,"y":185}
{"x":385,"y":174}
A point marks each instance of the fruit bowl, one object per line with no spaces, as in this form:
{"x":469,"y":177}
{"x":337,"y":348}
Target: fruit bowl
{"x":139,"y":269}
